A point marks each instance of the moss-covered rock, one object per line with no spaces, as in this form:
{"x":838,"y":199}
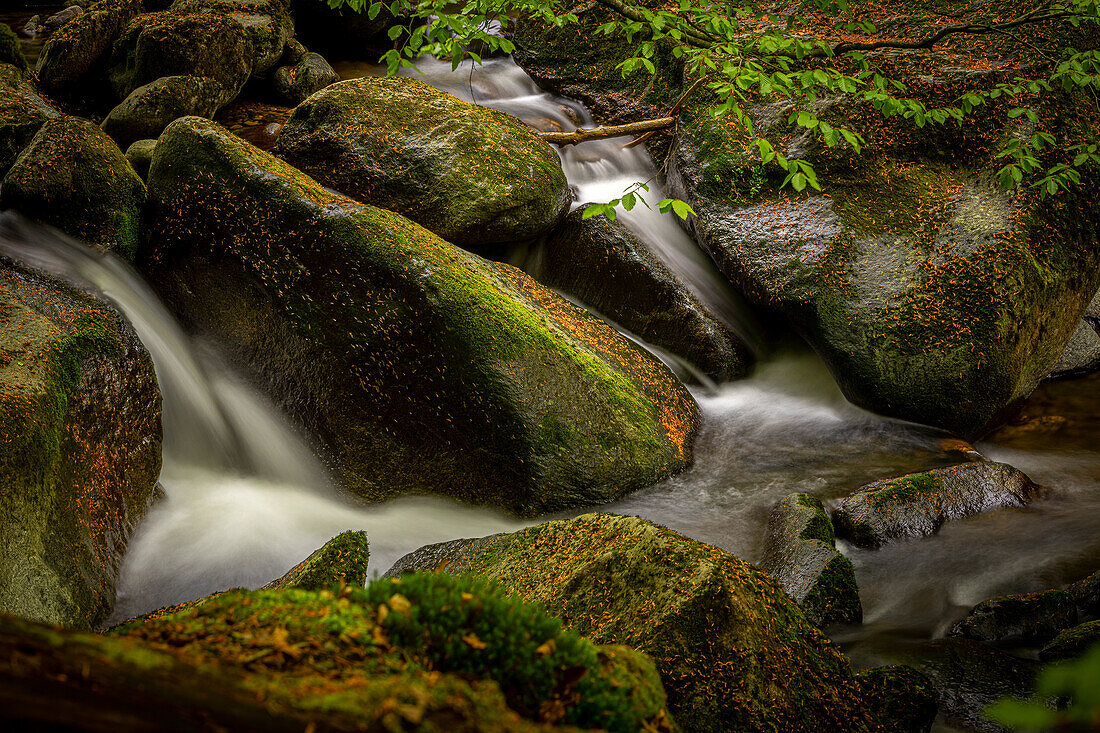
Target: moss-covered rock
{"x":75,"y":56}
{"x":1086,"y":594}
{"x":317,"y":653}
{"x":900,"y":697}
{"x":341,"y":560}
{"x":1072,"y":642}
{"x":177,"y":43}
{"x":139,"y":155}
{"x":470,"y":174}
{"x":22,"y":113}
{"x":1029,"y":616}
{"x":918,"y":504}
{"x":734,"y":652}
{"x":149,"y":108}
{"x":800,"y":553}
{"x":72,"y":176}
{"x":11,"y":52}
{"x":606,"y":267}
{"x":419,"y":366}
{"x":295,"y":83}
{"x":79,"y":447}
{"x":267,"y":24}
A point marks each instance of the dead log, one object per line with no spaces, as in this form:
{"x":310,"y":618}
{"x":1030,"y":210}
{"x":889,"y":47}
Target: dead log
{"x":607,"y":131}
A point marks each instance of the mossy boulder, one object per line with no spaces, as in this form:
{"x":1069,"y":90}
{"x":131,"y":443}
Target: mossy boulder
{"x":419,"y":367}
{"x":295,"y":83}
{"x":149,"y":108}
{"x":72,"y":176}
{"x":902,"y":698}
{"x":918,"y":504}
{"x":605,"y":266}
{"x":1072,"y":642}
{"x":430,"y":654}
{"x":139,"y":155}
{"x":22,"y":114}
{"x":1086,"y":594}
{"x":340,"y":654}
{"x":472,"y":175}
{"x":11,"y":52}
{"x":75,"y":56}
{"x":267,"y":24}
{"x":177,"y":43}
{"x":734,"y":652}
{"x":1029,"y":616}
{"x":341,"y":560}
{"x":79,"y":445}
{"x":800,"y":553}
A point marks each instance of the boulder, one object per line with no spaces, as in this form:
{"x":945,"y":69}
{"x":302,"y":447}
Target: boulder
{"x":294,"y":84}
{"x":1072,"y":642}
{"x":800,"y":553}
{"x":72,"y":176}
{"x":1082,"y":353}
{"x":341,"y":33}
{"x":11,"y":52}
{"x":149,"y":108}
{"x":79,"y":446}
{"x":75,"y":55}
{"x":62,"y":17}
{"x":342,"y":560}
{"x":139,"y":155}
{"x":918,"y":504}
{"x":22,"y":113}
{"x":418,"y":366}
{"x":176,"y":43}
{"x":267,"y":25}
{"x":900,"y":697}
{"x":605,"y":266}
{"x":969,"y":676}
{"x":472,"y":175}
{"x":1086,"y":594}
{"x":1030,"y":617}
{"x":353,"y":649}
{"x":734,"y":652}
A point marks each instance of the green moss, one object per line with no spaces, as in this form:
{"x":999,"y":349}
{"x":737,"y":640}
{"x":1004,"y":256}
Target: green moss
{"x":343,"y":559}
{"x":895,"y":198}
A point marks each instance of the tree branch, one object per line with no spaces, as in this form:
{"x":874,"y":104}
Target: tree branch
{"x":604,"y":132}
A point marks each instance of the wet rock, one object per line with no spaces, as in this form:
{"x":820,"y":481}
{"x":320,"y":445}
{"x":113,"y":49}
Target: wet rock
{"x":1031,"y":616}
{"x":62,"y":17}
{"x":605,"y":266}
{"x":174,"y":43}
{"x":1072,"y":642}
{"x":799,"y":552}
{"x":1082,"y":353}
{"x":22,"y":114}
{"x":72,"y":176}
{"x":969,"y":676}
{"x":75,"y":56}
{"x":149,"y":108}
{"x":418,"y":366}
{"x":902,"y":699}
{"x":472,"y":175}
{"x":79,"y":446}
{"x":294,"y":84}
{"x":11,"y":52}
{"x":735,"y":654}
{"x":1086,"y":594}
{"x":917,"y":505}
{"x":33,"y":26}
{"x":341,"y":33}
{"x":342,"y":560}
{"x":267,"y":25}
{"x":139,"y":155}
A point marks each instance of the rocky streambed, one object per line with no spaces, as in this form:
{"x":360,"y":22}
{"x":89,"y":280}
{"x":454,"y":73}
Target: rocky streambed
{"x":374,"y":305}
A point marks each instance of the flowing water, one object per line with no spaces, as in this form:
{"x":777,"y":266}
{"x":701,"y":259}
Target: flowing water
{"x":245,"y":500}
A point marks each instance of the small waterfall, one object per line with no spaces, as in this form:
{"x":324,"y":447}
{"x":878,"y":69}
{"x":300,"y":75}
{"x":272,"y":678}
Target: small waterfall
{"x":244,"y":497}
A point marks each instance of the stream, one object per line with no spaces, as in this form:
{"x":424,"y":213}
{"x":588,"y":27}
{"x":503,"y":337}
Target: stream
{"x":244,"y":499}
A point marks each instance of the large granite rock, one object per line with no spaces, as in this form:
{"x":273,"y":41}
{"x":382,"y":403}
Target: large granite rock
{"x":79,"y":445}
{"x":1028,"y":617}
{"x":418,"y":366}
{"x":734,"y":652}
{"x":149,"y":109}
{"x":472,"y":175}
{"x":800,"y":553}
{"x":917,"y":505}
{"x":1082,"y":353}
{"x":22,"y":114}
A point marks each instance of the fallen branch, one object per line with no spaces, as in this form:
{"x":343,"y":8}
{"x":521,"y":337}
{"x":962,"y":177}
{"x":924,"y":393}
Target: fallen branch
{"x":607,"y":131}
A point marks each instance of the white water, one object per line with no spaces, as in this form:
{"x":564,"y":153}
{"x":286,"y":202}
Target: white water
{"x":244,"y":497}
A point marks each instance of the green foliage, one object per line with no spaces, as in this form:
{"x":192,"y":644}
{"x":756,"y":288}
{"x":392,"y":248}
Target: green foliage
{"x":1077,"y":680}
